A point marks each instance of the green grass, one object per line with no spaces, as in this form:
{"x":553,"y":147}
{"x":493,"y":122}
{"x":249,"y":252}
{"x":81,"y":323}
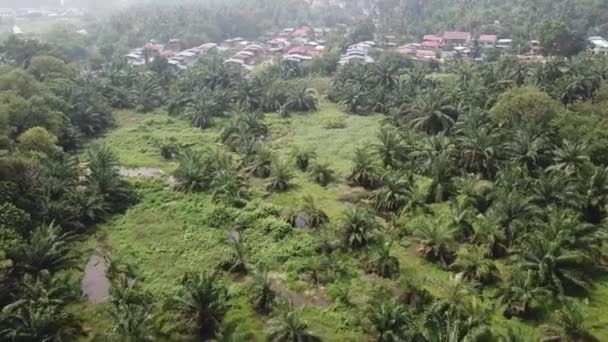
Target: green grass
{"x":168,"y":233}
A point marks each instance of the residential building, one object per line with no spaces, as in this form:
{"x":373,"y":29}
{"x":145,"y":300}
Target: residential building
{"x":504,"y":43}
{"x":7,"y":12}
{"x":487,"y":40}
{"x":456,"y":38}
{"x":598,"y":45}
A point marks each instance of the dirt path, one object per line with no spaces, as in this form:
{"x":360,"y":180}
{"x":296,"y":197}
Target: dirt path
{"x":309,"y":298}
{"x":146,"y":172}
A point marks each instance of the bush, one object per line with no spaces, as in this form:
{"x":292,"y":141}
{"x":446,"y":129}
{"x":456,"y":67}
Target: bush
{"x":337,"y":122}
{"x":221,"y":216}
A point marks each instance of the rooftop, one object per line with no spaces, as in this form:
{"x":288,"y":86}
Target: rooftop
{"x":457,"y":35}
{"x":488,"y":38}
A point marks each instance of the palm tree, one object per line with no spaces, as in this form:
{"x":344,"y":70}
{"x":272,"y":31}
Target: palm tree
{"x":480,"y":150}
{"x":236,"y":262}
{"x":519,"y":292}
{"x":394,"y":193}
{"x":594,"y":191}
{"x":280,"y":176}
{"x":490,"y":235}
{"x":358,"y":228}
{"x":230,"y":188}
{"x":474,"y":264}
{"x":261,"y":161}
{"x":476,"y":192}
{"x":148,"y":93}
{"x":514,"y":212}
{"x":569,"y":324}
{"x":192,"y":173}
{"x":314,"y":216}
{"x":288,"y":326}
{"x":390,"y":147}
{"x":570,"y":158}
{"x":432,"y":112}
{"x":248,"y":95}
{"x":364,"y":172}
{"x":321,"y":173}
{"x":263,"y":294}
{"x":303,"y":158}
{"x":554,"y":189}
{"x":456,"y":293}
{"x":206,"y":105}
{"x":201,"y":303}
{"x":558,"y":268}
{"x":47,"y":249}
{"x":302,"y":99}
{"x":386,"y":265}
{"x":391,"y":322}
{"x":385,"y":75}
{"x":528,"y":149}
{"x":435,"y":242}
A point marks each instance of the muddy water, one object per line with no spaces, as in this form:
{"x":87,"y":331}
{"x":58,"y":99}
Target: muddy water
{"x":95,"y":285}
{"x":152,"y":172}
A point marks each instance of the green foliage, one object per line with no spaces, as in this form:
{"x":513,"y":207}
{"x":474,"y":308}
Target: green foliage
{"x":525,"y":106}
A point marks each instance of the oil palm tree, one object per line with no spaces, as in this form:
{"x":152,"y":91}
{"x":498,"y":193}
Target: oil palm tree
{"x":390,"y":147}
{"x":358,"y":228}
{"x":394,"y":192}
{"x":302,"y":99}
{"x":519,"y":292}
{"x":569,"y":324}
{"x":391,"y":322}
{"x":263,"y":294}
{"x":47,"y":249}
{"x":201,"y":303}
{"x":280,"y":176}
{"x":480,"y":150}
{"x":570,"y":158}
{"x":321,"y":173}
{"x":364,"y":172}
{"x":557,"y":267}
{"x":261,"y":161}
{"x":386,"y":265}
{"x":528,"y":149}
{"x":315,"y":217}
{"x":594,"y":191}
{"x":432,"y":112}
{"x":148,"y":93}
{"x":475,"y":265}
{"x":435,"y":242}
{"x":230,"y":188}
{"x":303,"y":158}
{"x":192,"y":172}
{"x":288,"y":326}
{"x":236,"y":261}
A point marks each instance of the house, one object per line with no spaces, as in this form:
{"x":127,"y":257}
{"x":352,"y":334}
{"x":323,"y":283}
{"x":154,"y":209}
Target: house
{"x":432,"y":38}
{"x":487,"y":40}
{"x":430,"y":45}
{"x":174,"y":44}
{"x":304,"y":32}
{"x":598,"y":45}
{"x":7,"y":12}
{"x":409,"y":49}
{"x":504,"y":43}
{"x":456,"y":38}
{"x":356,"y":60}
{"x":298,"y":50}
{"x":426,"y":55}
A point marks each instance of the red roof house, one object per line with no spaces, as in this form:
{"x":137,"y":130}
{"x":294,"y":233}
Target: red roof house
{"x":432,"y":38}
{"x":429,"y":44}
{"x":298,"y":50}
{"x":487,"y":39}
{"x":303,"y":32}
{"x":457,"y":37}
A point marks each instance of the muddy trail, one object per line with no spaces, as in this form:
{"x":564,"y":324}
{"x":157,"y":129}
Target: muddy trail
{"x":95,"y":285}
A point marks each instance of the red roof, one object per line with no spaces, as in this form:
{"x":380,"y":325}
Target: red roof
{"x":457,"y":35}
{"x":432,"y":38}
{"x":303,"y":31}
{"x":431,"y":44}
{"x":298,"y":50}
{"x":488,"y":38}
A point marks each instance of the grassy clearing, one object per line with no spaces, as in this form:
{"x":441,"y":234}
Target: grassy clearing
{"x":169,"y":233}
